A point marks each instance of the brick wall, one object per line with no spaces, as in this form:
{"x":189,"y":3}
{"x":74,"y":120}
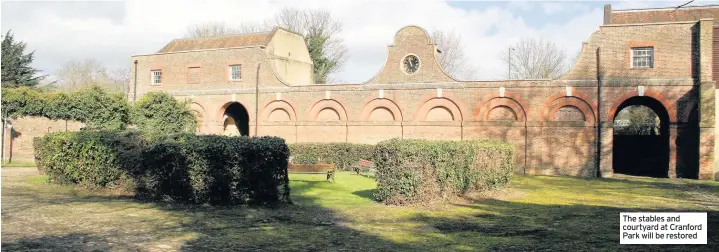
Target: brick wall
{"x":25,"y":129}
{"x":662,"y":15}
{"x":550,"y":122}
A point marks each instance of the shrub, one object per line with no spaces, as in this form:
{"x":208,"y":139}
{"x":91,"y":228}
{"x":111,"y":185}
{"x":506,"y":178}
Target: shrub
{"x":413,"y":171}
{"x":158,"y":113}
{"x":99,"y":109}
{"x":94,"y":106}
{"x":216,"y":170}
{"x":88,"y":158}
{"x":344,"y":155}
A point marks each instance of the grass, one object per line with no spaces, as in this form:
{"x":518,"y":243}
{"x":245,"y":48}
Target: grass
{"x":536,"y":214}
{"x":19,"y":164}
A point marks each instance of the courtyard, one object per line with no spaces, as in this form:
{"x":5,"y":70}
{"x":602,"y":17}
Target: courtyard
{"x":534,"y":213}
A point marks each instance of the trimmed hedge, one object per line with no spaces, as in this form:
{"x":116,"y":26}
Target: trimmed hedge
{"x":217,"y":170}
{"x":214,"y":170}
{"x":97,"y":108}
{"x":345,"y":155}
{"x":87,"y":158}
{"x":414,"y":171}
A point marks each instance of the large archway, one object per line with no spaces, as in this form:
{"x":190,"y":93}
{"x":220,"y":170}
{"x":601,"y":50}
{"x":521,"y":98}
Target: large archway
{"x":236,"y":120}
{"x":641,"y":138}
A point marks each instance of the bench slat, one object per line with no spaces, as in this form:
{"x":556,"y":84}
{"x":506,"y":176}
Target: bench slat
{"x":307,"y":172}
{"x":307,"y":168}
{"x":366,"y":163}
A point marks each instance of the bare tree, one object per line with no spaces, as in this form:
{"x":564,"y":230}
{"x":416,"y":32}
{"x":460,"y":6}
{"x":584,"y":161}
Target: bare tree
{"x":536,"y":58}
{"x":451,"y":56}
{"x":637,"y":120}
{"x":320,"y":31}
{"x":78,"y":74}
{"x":209,"y":29}
{"x":120,"y":78}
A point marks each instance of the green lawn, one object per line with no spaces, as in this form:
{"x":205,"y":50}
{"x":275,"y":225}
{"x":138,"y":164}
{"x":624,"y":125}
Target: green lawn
{"x":536,"y":213}
{"x":18,"y":164}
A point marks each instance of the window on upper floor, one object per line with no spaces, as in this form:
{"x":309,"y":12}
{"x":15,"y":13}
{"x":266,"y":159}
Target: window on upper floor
{"x":156,"y":76}
{"x":193,"y":75}
{"x":643,"y":57}
{"x":235,"y":72}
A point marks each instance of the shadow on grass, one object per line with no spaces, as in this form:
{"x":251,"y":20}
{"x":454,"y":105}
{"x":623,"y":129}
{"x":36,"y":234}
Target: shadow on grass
{"x":368,"y":194}
{"x":486,"y":225}
{"x":498,"y":226}
{"x":68,"y":242}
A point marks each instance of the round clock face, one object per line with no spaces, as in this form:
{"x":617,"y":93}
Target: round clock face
{"x":410,"y":64}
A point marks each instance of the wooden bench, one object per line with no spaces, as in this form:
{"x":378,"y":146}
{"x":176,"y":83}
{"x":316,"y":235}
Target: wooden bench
{"x":328,"y":169}
{"x":364,"y":165}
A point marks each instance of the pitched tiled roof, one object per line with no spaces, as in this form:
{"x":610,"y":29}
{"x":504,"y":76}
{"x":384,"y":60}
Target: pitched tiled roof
{"x":250,"y":39}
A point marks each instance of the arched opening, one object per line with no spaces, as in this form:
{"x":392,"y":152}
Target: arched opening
{"x":569,"y":113}
{"x":641,"y":138}
{"x":198,"y":121}
{"x":279,"y":115}
{"x":381,"y":114}
{"x":328,"y":114}
{"x":439,"y":114}
{"x":236,"y":120}
{"x":502,"y":113}
{"x":199,"y":113}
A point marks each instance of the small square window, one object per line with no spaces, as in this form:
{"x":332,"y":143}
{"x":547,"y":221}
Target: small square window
{"x":156,"y":77}
{"x":643,"y":57}
{"x":235,"y":72}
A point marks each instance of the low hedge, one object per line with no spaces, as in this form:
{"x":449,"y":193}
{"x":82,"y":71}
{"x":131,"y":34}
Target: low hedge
{"x":414,"y":171}
{"x":87,"y":158}
{"x":214,"y":170}
{"x":345,"y":156}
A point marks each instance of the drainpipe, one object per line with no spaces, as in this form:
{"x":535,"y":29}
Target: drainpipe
{"x":134,"y":92}
{"x":598,"y":121}
{"x":257,"y":99}
{"x":526,"y":143}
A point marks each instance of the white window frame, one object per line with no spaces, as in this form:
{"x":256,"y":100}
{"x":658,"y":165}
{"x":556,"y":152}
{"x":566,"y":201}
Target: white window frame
{"x":152,"y":77}
{"x":239,"y":72}
{"x":649,"y":58}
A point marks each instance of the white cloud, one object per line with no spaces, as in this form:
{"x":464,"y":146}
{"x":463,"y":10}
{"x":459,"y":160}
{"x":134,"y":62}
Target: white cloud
{"x":145,"y":26}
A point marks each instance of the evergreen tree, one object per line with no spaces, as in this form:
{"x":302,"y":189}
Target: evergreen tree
{"x":16,"y":69}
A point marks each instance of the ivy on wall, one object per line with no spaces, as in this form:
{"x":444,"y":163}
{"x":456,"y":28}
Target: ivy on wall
{"x":100,"y":109}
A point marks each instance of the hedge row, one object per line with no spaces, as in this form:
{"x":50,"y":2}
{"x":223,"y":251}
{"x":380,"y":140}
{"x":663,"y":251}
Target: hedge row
{"x":214,"y":170}
{"x":90,"y":159}
{"x":155,"y":113}
{"x":414,"y":171}
{"x":345,"y":155}
{"x":94,"y":106}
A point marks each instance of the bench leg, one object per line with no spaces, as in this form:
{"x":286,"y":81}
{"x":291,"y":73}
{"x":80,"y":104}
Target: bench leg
{"x":331,"y":175}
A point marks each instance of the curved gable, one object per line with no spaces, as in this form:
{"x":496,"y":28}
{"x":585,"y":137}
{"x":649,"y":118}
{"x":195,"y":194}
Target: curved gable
{"x":411,"y":40}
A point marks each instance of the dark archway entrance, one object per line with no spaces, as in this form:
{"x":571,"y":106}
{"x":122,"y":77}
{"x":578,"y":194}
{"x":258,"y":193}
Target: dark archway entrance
{"x":641,"y":138}
{"x":236,"y":120}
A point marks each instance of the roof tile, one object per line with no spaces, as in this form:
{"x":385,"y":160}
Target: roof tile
{"x":179,"y":45}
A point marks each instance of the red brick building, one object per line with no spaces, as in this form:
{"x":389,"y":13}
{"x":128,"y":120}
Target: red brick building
{"x":258,"y":84}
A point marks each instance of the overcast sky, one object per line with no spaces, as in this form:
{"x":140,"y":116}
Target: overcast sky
{"x":112,"y":31}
